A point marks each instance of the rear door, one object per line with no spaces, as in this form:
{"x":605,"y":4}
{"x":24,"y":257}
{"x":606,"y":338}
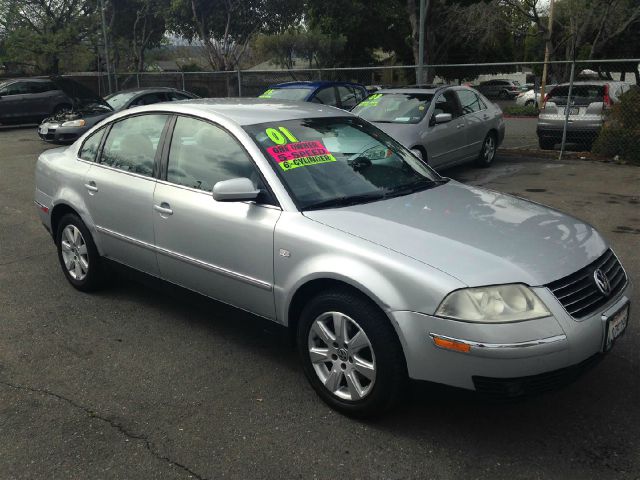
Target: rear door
{"x":221,"y":249}
{"x":119,"y":190}
{"x":476,"y":116}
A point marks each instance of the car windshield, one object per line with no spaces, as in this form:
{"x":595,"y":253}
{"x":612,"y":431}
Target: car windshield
{"x":580,"y":94}
{"x":119,"y":100}
{"x":394,"y":107}
{"x":332,"y":162}
{"x":287,"y":93}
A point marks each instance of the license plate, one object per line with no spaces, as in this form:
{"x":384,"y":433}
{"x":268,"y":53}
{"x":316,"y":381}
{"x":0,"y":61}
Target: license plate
{"x":616,"y":325}
{"x":573,"y":111}
{"x":43,"y":130}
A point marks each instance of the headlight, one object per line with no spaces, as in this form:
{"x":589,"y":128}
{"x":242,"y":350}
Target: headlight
{"x":74,"y":123}
{"x":495,"y":304}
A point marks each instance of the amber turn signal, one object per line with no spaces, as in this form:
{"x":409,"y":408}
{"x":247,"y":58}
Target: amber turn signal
{"x":451,"y":344}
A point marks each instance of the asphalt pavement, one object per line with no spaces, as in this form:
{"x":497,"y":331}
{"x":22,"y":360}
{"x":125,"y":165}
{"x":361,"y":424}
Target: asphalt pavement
{"x":143,"y":380}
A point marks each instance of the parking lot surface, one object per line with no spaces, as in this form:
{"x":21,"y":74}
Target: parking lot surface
{"x":143,"y":380}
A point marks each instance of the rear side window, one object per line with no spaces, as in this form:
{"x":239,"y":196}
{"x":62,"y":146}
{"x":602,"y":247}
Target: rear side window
{"x":18,"y":88}
{"x":175,"y":96}
{"x":90,"y":147}
{"x":580,"y":94}
{"x":149,"y":99}
{"x":347,"y":96}
{"x":132,"y":143}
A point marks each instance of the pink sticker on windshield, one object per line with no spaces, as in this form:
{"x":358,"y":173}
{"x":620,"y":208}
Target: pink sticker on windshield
{"x":299,"y":154}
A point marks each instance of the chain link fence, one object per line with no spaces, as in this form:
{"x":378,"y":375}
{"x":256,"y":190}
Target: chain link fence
{"x":586,"y":105}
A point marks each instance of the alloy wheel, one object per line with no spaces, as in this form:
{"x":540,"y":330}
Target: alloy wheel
{"x":74,"y":253}
{"x":342,"y":356}
{"x":489,"y":149}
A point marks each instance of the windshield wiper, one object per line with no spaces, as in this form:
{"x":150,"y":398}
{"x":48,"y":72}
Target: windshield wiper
{"x":345,"y":201}
{"x":416,"y":186}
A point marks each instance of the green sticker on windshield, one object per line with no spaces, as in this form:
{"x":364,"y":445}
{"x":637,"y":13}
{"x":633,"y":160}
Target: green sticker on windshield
{"x":372,"y":100}
{"x":267,"y":94}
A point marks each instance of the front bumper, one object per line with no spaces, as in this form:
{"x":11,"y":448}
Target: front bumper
{"x":507,"y":354}
{"x":54,"y":133}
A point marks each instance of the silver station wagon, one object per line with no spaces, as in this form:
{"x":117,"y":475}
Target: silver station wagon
{"x":313,"y":218}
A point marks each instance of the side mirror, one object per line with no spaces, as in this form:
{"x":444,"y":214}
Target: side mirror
{"x":235,"y":190}
{"x":443,"y":118}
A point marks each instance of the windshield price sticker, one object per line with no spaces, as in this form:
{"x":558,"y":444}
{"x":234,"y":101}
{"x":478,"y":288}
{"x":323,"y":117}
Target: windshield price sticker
{"x":372,"y":100}
{"x":300,"y":154}
{"x":267,"y":94}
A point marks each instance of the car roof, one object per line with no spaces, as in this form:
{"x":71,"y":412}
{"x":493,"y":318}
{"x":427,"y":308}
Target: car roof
{"x":590,"y":82}
{"x":250,"y":111}
{"x":314,"y":84}
{"x":25,"y":79}
{"x":147,"y":90}
{"x":413,"y":89}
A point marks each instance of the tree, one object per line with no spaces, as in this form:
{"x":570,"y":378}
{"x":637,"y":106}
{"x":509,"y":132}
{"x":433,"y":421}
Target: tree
{"x":225,"y":27}
{"x":42,"y":32}
{"x":141,"y":25}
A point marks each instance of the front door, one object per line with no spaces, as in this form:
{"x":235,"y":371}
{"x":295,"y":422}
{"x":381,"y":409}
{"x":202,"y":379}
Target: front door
{"x":11,"y":101}
{"x":445,"y":142}
{"x":221,"y":249}
{"x":119,"y":191}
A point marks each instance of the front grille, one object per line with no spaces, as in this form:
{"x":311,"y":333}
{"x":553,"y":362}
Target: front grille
{"x":578,"y":292}
{"x":523,"y":386}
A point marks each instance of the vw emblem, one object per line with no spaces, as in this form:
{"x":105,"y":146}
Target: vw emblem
{"x":602,"y":282}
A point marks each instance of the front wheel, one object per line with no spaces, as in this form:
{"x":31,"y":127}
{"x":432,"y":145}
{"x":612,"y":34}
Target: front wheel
{"x":351,"y":354}
{"x":488,"y":152}
{"x":78,"y":254}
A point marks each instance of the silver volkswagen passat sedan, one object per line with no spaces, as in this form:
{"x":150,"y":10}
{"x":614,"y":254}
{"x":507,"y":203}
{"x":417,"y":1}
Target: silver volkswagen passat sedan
{"x":313,"y":218}
{"x":445,"y":125}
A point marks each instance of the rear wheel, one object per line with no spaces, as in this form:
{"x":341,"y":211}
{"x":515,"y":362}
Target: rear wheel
{"x":351,"y":354}
{"x":78,"y":254}
{"x":488,"y":152}
{"x":503,"y":95}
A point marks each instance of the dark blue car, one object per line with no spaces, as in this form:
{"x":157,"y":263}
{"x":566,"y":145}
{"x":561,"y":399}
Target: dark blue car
{"x":343,"y":95}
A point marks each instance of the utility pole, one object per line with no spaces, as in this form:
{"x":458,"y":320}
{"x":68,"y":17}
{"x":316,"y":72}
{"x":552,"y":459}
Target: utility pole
{"x":423,"y":17}
{"x":106,"y":45}
{"x":543,"y":82}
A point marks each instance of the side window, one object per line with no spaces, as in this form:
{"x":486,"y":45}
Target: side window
{"x":132,"y":143}
{"x":149,"y":99}
{"x":18,"y":88}
{"x":327,"y":96}
{"x":89,"y":148}
{"x":360,"y":94}
{"x":202,"y":155}
{"x":175,"y":96}
{"x":447,"y":103}
{"x":469,"y":101}
{"x":347,"y":97}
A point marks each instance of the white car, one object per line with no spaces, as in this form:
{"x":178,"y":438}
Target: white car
{"x":530,"y":97}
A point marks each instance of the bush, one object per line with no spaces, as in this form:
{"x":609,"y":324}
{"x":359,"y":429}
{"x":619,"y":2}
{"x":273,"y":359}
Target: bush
{"x":526,"y":111}
{"x":621,"y":132}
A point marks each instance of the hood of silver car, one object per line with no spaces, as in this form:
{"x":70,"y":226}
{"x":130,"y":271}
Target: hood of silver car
{"x":479,"y":236}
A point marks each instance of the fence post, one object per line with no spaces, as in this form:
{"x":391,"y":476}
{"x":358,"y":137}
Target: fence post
{"x":138,"y":79}
{"x":567,"y":108}
{"x":239,"y":83}
{"x":183,"y":85}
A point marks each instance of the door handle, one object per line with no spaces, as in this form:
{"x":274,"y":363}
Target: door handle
{"x":460,"y":125}
{"x":164,"y":208}
{"x":91,"y":186}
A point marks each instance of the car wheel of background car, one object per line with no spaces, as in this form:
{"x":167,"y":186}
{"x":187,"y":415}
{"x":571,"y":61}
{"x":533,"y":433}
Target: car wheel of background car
{"x":503,"y":94}
{"x":351,"y":353}
{"x":61,"y":108}
{"x":488,"y":152}
{"x":529,"y":103}
{"x":78,"y":254}
{"x":546,"y":144}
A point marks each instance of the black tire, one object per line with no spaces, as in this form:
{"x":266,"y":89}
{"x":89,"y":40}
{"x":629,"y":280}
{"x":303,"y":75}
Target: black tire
{"x":546,"y":144}
{"x":529,"y":103}
{"x":485,"y":159}
{"x":386,"y":351}
{"x":93,"y":276}
{"x":503,"y":95}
